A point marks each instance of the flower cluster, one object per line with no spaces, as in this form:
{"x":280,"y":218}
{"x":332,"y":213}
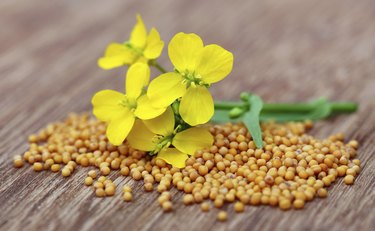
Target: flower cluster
{"x":165,"y":116}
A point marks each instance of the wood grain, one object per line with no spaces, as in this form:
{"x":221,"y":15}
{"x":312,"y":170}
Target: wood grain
{"x":284,"y":50}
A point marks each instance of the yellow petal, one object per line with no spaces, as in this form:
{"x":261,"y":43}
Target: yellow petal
{"x":174,"y":157}
{"x":145,"y":110}
{"x":106,"y":104}
{"x":140,"y":137}
{"x":154,"y":45}
{"x":197,"y":106}
{"x":193,"y":139}
{"x":137,"y":79}
{"x":116,"y":55}
{"x":215,"y":63}
{"x":184,"y":50}
{"x":119,"y":127}
{"x":163,"y":124}
{"x":138,"y":35}
{"x":165,"y":89}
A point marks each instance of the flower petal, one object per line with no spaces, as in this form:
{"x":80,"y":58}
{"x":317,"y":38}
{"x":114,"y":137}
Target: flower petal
{"x":137,"y":79}
{"x":184,"y":50}
{"x":215,"y":63}
{"x":116,"y":55}
{"x":119,"y":127}
{"x":163,"y":124}
{"x":145,"y":110}
{"x":141,"y":137}
{"x":154,"y":45}
{"x":138,"y":35}
{"x":193,"y":139}
{"x":174,"y":157}
{"x":165,"y":89}
{"x":106,"y":104}
{"x":197,"y":105}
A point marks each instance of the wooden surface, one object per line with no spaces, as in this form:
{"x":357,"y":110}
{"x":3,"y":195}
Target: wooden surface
{"x":284,"y":50}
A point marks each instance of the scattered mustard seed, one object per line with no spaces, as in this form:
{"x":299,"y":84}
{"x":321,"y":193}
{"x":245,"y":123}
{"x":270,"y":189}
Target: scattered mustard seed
{"x":290,"y":170}
{"x":222,"y":216}
{"x":349,"y":179}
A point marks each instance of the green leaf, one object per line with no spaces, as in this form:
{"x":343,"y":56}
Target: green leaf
{"x":251,"y":119}
{"x":322,"y":109}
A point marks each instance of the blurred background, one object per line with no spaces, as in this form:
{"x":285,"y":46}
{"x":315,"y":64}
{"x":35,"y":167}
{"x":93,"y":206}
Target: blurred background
{"x":284,"y":50}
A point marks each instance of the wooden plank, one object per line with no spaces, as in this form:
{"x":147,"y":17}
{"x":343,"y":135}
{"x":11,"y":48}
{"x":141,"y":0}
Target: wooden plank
{"x":284,"y":50}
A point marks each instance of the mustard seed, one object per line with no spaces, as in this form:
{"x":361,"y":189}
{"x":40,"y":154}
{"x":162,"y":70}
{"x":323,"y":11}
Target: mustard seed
{"x":127,"y":188}
{"x":37,"y":167}
{"x":167,"y":206}
{"x":349,"y":179}
{"x":18,"y":162}
{"x":222,"y":216}
{"x":65,"y":172}
{"x":55,"y":168}
{"x":188,"y":199}
{"x":284,"y":204}
{"x":205,"y":207}
{"x":322,"y":192}
{"x":298,"y":204}
{"x":105,"y":170}
{"x":92,"y":174}
{"x":127,"y":197}
{"x":110,"y":191}
{"x":239,"y":207}
{"x":88,"y":181}
{"x":100,"y":192}
{"x":148,"y":187}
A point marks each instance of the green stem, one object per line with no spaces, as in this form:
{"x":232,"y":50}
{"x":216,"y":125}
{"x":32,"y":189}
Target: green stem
{"x":158,"y":66}
{"x":287,"y":107}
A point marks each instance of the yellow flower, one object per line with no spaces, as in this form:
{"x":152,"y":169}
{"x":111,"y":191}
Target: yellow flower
{"x":196,"y":68}
{"x":141,"y":47}
{"x":120,"y":110}
{"x":158,"y":134}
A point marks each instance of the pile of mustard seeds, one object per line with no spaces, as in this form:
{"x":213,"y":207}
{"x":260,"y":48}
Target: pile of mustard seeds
{"x":292,"y":168}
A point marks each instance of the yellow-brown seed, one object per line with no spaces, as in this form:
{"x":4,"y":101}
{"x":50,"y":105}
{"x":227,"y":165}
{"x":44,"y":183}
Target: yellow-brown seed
{"x":349,"y":179}
{"x":88,"y":181}
{"x":92,"y":174}
{"x":239,"y":207}
{"x":148,"y":187}
{"x":222,"y":216}
{"x":37,"y":167}
{"x":127,"y":196}
{"x":298,"y":204}
{"x":55,"y":168}
{"x":205,"y":207}
{"x":100,"y":192}
{"x":127,"y":188}
{"x":110,"y":191}
{"x":167,"y":206}
{"x":105,"y":170}
{"x":188,"y":199}
{"x":65,"y":172}
{"x":285,"y":204}
{"x":18,"y":163}
{"x":322,"y":193}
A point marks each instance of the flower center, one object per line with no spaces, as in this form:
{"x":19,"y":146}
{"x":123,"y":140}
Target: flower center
{"x":130,"y":103}
{"x":192,"y":78}
{"x":137,"y":51}
{"x":161,"y":142}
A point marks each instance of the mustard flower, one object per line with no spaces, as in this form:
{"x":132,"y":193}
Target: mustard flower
{"x":141,"y":47}
{"x":158,"y":134}
{"x":120,"y":110}
{"x":196,"y":68}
